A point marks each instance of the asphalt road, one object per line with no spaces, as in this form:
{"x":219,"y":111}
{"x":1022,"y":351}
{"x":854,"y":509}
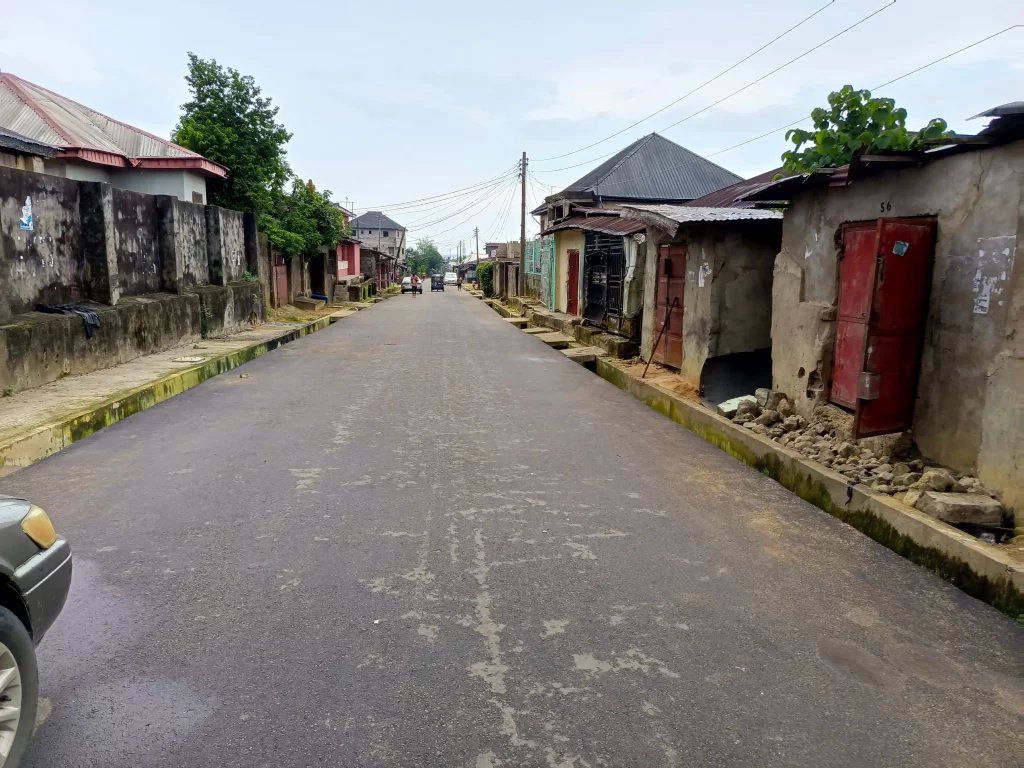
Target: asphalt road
{"x":422,"y":538}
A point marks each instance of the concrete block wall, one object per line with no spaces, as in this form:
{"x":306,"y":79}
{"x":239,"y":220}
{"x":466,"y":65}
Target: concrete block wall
{"x":89,"y":241}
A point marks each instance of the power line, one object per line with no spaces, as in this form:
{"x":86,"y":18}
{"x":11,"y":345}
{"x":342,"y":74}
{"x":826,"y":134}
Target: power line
{"x":883,"y":85}
{"x":740,"y":90}
{"x":777,"y":69}
{"x":443,"y":231}
{"x":503,"y":212}
{"x":806,"y":118}
{"x":699,"y":87}
{"x":452,"y":203}
{"x":490,"y":192}
{"x":443,"y":194}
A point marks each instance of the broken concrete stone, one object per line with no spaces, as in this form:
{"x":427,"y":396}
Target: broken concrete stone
{"x":775,"y":432}
{"x":761,"y":393}
{"x":790,"y":423}
{"x":768,"y":417}
{"x":750,"y":424}
{"x":759,"y":429}
{"x":743,"y":418}
{"x":900,"y":468}
{"x":774,"y":398}
{"x":961,"y":508}
{"x":885,"y":477}
{"x":729,"y":408}
{"x":905,"y":480}
{"x":846,"y":450}
{"x":911,"y":498}
{"x":958,"y":487}
{"x":969,"y":482}
{"x":916,"y":465}
{"x":748,"y":406}
{"x":934,"y":480}
{"x":883,"y":488}
{"x":881,"y":468}
{"x":784,"y":408}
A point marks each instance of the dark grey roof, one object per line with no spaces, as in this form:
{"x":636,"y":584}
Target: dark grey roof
{"x":654,"y":168}
{"x":374,"y":220}
{"x":1003,"y":110}
{"x":13,"y":140}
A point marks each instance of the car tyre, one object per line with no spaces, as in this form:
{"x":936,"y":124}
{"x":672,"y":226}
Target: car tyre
{"x":19,"y":686}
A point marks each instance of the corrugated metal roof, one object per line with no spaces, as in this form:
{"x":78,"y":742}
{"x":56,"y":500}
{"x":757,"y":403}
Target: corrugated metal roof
{"x":48,"y":117}
{"x":609,"y":225}
{"x":684,"y":214}
{"x":654,"y":168}
{"x":374,"y":220}
{"x":729,"y":197}
{"x":14,"y":140}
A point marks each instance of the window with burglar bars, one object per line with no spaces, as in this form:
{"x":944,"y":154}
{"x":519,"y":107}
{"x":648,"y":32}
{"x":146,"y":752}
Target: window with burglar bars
{"x":536,"y":252}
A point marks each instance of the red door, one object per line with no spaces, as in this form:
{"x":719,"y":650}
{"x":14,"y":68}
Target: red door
{"x":883,"y":304}
{"x":668,"y":317}
{"x":572,"y":284}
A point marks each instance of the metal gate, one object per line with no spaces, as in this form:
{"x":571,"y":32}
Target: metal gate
{"x":605,"y":259}
{"x":884,"y":280}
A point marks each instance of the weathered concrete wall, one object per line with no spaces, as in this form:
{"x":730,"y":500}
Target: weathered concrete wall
{"x":190,"y":238}
{"x":633,"y":287}
{"x":650,"y":325}
{"x":225,"y":245}
{"x":43,"y":264}
{"x":37,"y":348}
{"x":229,"y":309}
{"x":135,"y":242}
{"x":976,"y":198}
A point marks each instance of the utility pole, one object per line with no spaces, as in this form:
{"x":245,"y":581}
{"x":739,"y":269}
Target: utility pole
{"x":476,"y":234}
{"x":522,"y":231}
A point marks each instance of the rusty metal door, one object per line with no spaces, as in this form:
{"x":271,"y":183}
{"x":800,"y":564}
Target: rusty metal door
{"x":669,"y":305}
{"x":883,"y":305}
{"x":280,"y":280}
{"x":572,"y":283}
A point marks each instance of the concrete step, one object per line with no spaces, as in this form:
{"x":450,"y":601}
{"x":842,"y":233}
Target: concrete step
{"x":304,"y":303}
{"x":536,"y":331}
{"x":585,"y":356}
{"x":555,"y":340}
{"x":518,"y":322}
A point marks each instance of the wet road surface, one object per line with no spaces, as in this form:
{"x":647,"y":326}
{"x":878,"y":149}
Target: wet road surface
{"x":422,"y":538}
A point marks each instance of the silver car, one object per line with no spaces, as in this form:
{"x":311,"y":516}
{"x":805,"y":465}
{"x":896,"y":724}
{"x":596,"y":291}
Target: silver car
{"x":35,"y":575}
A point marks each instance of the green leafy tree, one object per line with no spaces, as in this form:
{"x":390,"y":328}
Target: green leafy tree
{"x":485,"y":276}
{"x":424,"y":258}
{"x":228,"y":121}
{"x":854,"y":122}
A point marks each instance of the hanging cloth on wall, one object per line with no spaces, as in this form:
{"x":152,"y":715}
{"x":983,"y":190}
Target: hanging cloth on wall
{"x":90,"y":318}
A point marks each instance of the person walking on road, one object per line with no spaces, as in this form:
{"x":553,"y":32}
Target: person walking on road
{"x":458,"y":282}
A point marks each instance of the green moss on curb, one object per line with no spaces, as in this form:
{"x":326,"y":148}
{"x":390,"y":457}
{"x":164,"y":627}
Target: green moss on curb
{"x":1000,"y":594}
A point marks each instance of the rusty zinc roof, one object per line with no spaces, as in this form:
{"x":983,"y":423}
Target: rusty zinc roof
{"x":78,"y":131}
{"x":685,"y":214}
{"x":609,"y":225}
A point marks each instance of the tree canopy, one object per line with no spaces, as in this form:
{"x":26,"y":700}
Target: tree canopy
{"x":228,"y":121}
{"x":854,"y":121}
{"x":424,"y":258}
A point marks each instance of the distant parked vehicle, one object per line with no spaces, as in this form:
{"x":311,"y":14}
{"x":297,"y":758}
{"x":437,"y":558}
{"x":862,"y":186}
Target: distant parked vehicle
{"x":408,"y":286}
{"x":35,"y":573}
{"x":436,"y":283}
{"x":450,"y":278}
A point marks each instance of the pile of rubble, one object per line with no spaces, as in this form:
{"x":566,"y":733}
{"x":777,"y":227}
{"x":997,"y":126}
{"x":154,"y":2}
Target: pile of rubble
{"x":887,"y":465}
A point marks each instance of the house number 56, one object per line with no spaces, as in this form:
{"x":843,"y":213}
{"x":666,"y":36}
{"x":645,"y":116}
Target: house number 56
{"x":885,"y":207}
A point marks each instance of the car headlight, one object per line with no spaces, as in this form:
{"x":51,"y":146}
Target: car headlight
{"x":37,"y":526}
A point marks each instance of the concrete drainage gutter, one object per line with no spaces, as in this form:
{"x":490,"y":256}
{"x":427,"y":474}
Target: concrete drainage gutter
{"x":978,"y":569}
{"x":37,"y":443}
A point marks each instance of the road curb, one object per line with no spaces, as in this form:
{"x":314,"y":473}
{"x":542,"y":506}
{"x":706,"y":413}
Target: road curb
{"x":37,"y":443}
{"x":980,"y":570}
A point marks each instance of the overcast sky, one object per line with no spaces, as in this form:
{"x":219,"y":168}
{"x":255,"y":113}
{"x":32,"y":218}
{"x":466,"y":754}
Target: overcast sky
{"x":396,"y":101}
